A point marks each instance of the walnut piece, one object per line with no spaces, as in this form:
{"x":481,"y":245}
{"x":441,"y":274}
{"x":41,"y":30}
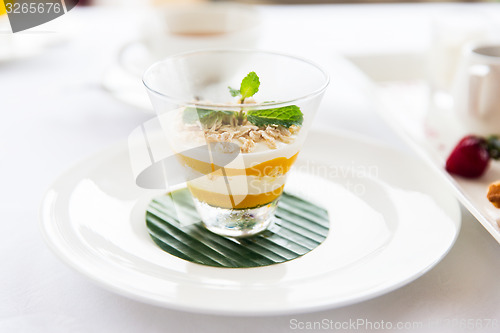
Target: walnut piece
{"x":494,"y":194}
{"x":248,"y":145}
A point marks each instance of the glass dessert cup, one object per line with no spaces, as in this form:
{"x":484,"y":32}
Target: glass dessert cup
{"x":235,"y":147}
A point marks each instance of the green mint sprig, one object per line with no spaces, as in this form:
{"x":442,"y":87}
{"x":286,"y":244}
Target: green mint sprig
{"x":234,"y":92}
{"x":249,"y":87}
{"x":285,"y":116}
{"x":206,"y":117}
{"x":191,"y":115}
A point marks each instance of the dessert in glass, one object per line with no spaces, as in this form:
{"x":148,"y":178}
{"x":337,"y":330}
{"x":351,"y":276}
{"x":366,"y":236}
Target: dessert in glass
{"x":236,"y":120}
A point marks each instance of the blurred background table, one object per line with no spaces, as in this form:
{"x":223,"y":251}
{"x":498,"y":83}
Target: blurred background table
{"x":55,"y":112}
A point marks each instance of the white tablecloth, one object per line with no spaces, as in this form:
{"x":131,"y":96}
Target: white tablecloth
{"x":54,"y":113}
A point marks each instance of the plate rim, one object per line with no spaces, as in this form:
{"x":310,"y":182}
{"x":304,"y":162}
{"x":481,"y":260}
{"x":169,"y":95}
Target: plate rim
{"x":62,"y":253}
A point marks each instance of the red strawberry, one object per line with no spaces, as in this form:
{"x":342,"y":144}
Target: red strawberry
{"x":471,"y":156}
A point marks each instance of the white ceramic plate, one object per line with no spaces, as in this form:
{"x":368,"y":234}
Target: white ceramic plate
{"x":433,"y":131}
{"x":392,"y":219}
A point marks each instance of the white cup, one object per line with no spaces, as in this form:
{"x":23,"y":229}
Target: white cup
{"x":477,"y":89}
{"x":180,"y":28}
{"x":451,"y":31}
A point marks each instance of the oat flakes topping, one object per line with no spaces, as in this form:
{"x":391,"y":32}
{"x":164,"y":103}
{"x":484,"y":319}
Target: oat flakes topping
{"x":248,"y":134}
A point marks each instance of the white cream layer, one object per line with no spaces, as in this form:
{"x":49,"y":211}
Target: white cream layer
{"x":238,"y":185}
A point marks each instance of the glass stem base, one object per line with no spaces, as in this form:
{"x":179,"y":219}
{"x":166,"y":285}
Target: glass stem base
{"x":236,"y":222}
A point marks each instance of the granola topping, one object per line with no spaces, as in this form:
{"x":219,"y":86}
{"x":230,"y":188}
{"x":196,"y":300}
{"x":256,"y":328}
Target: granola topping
{"x":248,"y":135}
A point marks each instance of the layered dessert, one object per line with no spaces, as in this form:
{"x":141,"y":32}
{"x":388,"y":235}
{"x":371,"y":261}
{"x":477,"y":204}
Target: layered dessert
{"x":235,"y":144}
{"x":255,"y":177}
{"x":237,"y":158}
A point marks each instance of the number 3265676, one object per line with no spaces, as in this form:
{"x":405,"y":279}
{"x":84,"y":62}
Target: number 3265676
{"x":32,"y":8}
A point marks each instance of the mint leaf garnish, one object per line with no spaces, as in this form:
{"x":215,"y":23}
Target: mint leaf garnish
{"x":191,"y":114}
{"x":234,"y":92}
{"x":285,"y":116}
{"x":249,"y":85}
{"x":223,"y":116}
{"x":206,"y":117}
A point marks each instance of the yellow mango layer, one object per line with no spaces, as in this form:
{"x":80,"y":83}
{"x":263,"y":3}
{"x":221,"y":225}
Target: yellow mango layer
{"x":275,"y":167}
{"x":235,"y":201}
